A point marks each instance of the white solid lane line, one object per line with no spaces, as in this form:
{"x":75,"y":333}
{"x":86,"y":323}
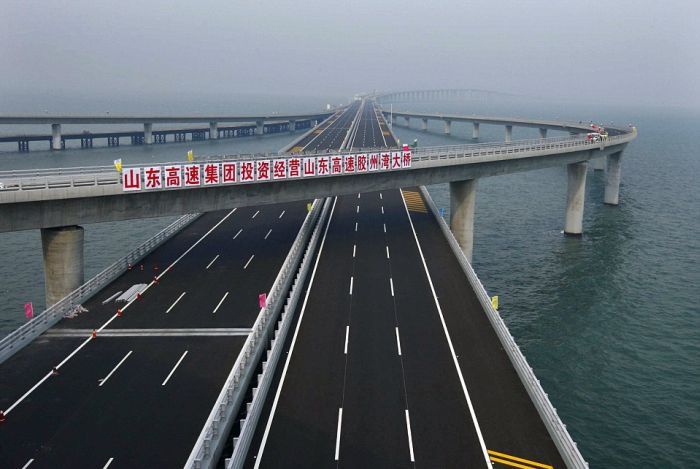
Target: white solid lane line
{"x":104,"y":380}
{"x":391,"y":282}
{"x":108,"y":463}
{"x":354,"y":246}
{"x":174,"y":368}
{"x":347,"y":334}
{"x":255,"y":214}
{"x":337,"y":435}
{"x":28,"y":464}
{"x":398,"y":341}
{"x":387,"y":252}
{"x":246,"y":264}
{"x":212,"y":261}
{"x":222,"y":300}
{"x":268,"y":233}
{"x":410,"y":437}
{"x":239,"y":232}
{"x":351,"y":285}
{"x":281,"y":214}
{"x":178,"y":299}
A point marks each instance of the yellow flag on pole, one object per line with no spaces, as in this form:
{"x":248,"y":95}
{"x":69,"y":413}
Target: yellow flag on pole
{"x":308,"y":207}
{"x":118,"y":164}
{"x":190,"y":155}
{"x":494,"y":302}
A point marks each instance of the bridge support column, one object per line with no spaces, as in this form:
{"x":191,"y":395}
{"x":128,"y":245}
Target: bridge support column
{"x":598,"y":163}
{"x":475,"y":131}
{"x":148,"y":133}
{"x":575,"y":193}
{"x":612,"y":179}
{"x":55,"y":136}
{"x":292,"y":126}
{"x":424,"y":124}
{"x":543,"y":133}
{"x":63,"y":261}
{"x":259,"y":127}
{"x":408,"y":121}
{"x":509,"y":133}
{"x":462,"y":202}
{"x":213,"y":130}
{"x":448,"y":127}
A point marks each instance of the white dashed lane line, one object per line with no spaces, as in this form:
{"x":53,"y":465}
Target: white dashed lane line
{"x":255,"y":214}
{"x":178,"y":299}
{"x":246,"y":264}
{"x":212,"y":261}
{"x":222,"y":300}
{"x":104,"y":380}
{"x":239,"y":232}
{"x":174,"y":368}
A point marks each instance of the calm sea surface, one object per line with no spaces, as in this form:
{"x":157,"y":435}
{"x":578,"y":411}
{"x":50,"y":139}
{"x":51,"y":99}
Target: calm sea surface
{"x":610,"y":321}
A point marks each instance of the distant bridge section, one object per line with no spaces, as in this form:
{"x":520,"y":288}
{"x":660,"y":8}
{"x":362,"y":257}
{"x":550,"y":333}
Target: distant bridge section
{"x":413,"y":96}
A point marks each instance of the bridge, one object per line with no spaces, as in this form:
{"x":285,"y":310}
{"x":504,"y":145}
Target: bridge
{"x":371,"y":208}
{"x":255,"y":125}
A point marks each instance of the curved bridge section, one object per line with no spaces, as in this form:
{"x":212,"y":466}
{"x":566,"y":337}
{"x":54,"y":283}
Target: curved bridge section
{"x":413,"y":96}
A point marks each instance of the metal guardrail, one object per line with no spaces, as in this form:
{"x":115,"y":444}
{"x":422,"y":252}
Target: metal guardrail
{"x":557,"y":430}
{"x":249,"y":424}
{"x":210,"y":442}
{"x":26,"y":180}
{"x":23,"y":335}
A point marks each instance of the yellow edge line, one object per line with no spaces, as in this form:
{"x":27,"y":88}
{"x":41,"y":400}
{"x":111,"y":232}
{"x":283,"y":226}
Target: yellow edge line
{"x":526,"y":461}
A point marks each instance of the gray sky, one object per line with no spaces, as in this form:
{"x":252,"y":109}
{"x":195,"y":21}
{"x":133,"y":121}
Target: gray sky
{"x":619,"y":51}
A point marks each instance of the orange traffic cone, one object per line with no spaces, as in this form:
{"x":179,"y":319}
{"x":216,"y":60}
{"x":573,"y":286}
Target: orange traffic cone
{"x":119,"y":312}
{"x":129,"y":266}
{"x":141,"y":266}
{"x":94,"y":333}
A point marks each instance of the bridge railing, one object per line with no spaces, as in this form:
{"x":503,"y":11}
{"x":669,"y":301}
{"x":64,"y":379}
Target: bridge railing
{"x":548,"y":413}
{"x":21,"y":336}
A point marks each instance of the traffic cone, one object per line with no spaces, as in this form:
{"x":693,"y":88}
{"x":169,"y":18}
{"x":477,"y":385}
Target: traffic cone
{"x":119,"y":312}
{"x":155,"y":279}
{"x":94,"y":333}
{"x":155,"y":267}
{"x":141,"y":266}
{"x":129,"y":268}
{"x":138,"y":296}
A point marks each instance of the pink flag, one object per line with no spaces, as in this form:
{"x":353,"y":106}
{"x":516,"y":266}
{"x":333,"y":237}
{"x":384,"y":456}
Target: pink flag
{"x":28,"y":310}
{"x":262,"y":299}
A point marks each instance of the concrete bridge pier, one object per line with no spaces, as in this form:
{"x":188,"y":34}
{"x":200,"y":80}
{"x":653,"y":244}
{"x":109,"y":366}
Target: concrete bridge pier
{"x":259,"y":127}
{"x":63,"y":261}
{"x":575,"y":193}
{"x":612,"y":179}
{"x":292,"y":126}
{"x":147,"y":133}
{"x":448,"y":127}
{"x":55,"y":136}
{"x":213,"y":130}
{"x":598,"y":163}
{"x":424,"y":124}
{"x":462,"y":203}
{"x":509,"y":133}
{"x":475,"y":130}
{"x":543,"y":132}
{"x":408,"y":121}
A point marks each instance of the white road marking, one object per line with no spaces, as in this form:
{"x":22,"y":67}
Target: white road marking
{"x":239,"y":232}
{"x":174,"y":368}
{"x":354,"y":246}
{"x":347,"y":334}
{"x":28,"y":463}
{"x":212,"y":261}
{"x":449,"y":342}
{"x":382,"y":210}
{"x":380,"y":196}
{"x":108,"y":463}
{"x":104,"y":380}
{"x":294,"y":340}
{"x":410,"y":437}
{"x":387,"y":252}
{"x":281,"y":214}
{"x":351,"y":285}
{"x":358,"y":209}
{"x":398,"y":341}
{"x":255,"y":214}
{"x":384,"y":227}
{"x":268,"y":233}
{"x":391,"y":282}
{"x":358,"y":195}
{"x":337,"y":436}
{"x":355,"y":226}
{"x":246,"y":264}
{"x":178,"y":299}
{"x":222,"y":300}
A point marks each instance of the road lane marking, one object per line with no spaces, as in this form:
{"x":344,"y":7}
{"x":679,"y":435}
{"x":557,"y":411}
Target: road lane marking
{"x":347,"y":334}
{"x":391,"y":282}
{"x":387,"y":252}
{"x":358,"y":195}
{"x":222,"y":300}
{"x":410,"y":437}
{"x":384,"y":227}
{"x":255,"y":214}
{"x":355,"y":226}
{"x":246,"y":264}
{"x":174,"y":368}
{"x":358,"y":209}
{"x":382,"y":210}
{"x":268,"y":233}
{"x":239,"y":232}
{"x":354,"y":246}
{"x":507,"y":459}
{"x":351,"y":285}
{"x":28,"y":464}
{"x":398,"y":341}
{"x":337,"y":435}
{"x":178,"y":299}
{"x":212,"y":261}
{"x":380,"y":196}
{"x":108,"y":463}
{"x":104,"y":380}
{"x":449,"y":340}
{"x":281,"y":214}
{"x":294,"y":340}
